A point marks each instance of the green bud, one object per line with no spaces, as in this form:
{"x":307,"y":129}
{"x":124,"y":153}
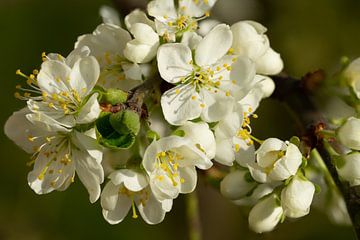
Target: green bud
{"x":115,"y":96}
{"x":125,"y":122}
{"x":109,"y":137}
{"x":179,"y":133}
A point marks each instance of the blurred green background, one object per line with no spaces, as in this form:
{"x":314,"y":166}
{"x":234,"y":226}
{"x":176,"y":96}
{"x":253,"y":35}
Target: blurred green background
{"x":308,"y":34}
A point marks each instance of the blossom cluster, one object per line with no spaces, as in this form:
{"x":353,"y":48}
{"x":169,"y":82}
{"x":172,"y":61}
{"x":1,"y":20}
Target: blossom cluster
{"x":91,"y":115}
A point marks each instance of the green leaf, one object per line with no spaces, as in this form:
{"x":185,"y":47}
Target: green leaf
{"x":179,"y":133}
{"x":152,"y":135}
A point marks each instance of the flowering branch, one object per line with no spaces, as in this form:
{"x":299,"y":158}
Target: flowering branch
{"x":296,"y":94}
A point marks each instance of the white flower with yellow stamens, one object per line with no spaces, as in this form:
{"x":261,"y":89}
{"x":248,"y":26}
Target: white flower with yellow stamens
{"x":61,"y":89}
{"x":57,"y":153}
{"x":275,"y":161}
{"x":209,"y":83}
{"x":170,"y":162}
{"x":126,"y":189}
{"x":107,"y":44}
{"x":233,"y":138}
{"x":171,"y":21}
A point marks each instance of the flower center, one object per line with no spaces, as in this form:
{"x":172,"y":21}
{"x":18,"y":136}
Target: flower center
{"x":168,"y":162}
{"x":142,"y":196}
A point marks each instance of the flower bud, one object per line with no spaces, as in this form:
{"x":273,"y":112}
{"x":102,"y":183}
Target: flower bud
{"x":265,"y":215}
{"x":270,"y":63}
{"x":297,"y":197}
{"x":249,"y":39}
{"x":352,"y":76}
{"x":350,"y":169}
{"x":235,"y":185}
{"x":348,"y":133}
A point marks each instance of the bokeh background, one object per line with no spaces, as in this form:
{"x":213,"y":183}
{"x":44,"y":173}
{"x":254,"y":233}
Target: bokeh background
{"x":308,"y":34}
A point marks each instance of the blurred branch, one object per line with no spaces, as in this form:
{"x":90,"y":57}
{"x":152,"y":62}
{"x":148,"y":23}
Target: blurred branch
{"x":193,"y":215}
{"x":297,"y":95}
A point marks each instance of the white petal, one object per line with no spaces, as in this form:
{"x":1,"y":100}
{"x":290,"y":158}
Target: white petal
{"x":145,"y":34}
{"x":76,"y":54}
{"x":234,"y":185}
{"x":84,"y":75}
{"x":122,"y":208}
{"x":270,"y":63}
{"x":53,"y":76}
{"x":138,"y":52}
{"x":174,"y":62}
{"x":258,"y":174}
{"x":249,"y":39}
{"x":201,"y":134}
{"x":180,"y":104}
{"x":88,"y":143}
{"x":110,"y":15}
{"x":225,"y":153}
{"x":90,"y":173}
{"x":214,"y":45}
{"x":265,"y":215}
{"x":137,"y":16}
{"x":189,"y":176}
{"x":90,"y":111}
{"x":191,"y":39}
{"x":18,"y":128}
{"x":161,"y":8}
{"x":132,"y":180}
{"x":196,"y":8}
{"x":245,"y":154}
{"x":109,"y":196}
{"x":217,"y":104}
{"x":229,"y":126}
{"x":151,"y":211}
{"x":207,"y":25}
{"x":46,"y":123}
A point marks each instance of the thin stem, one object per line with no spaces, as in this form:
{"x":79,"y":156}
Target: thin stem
{"x":193,"y":216}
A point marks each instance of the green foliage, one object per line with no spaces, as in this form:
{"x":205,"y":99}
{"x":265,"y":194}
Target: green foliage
{"x":114,"y":96}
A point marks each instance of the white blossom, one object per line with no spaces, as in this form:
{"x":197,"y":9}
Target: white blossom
{"x":57,"y":153}
{"x":107,"y":43}
{"x":208,"y":84}
{"x":275,"y":161}
{"x":236,"y":186}
{"x":297,"y":197}
{"x":170,"y":162}
{"x":109,"y":15}
{"x":62,"y":88}
{"x":266,"y":214}
{"x":350,"y":169}
{"x":348,"y":133}
{"x":250,"y":41}
{"x":126,"y":189}
{"x":171,"y":21}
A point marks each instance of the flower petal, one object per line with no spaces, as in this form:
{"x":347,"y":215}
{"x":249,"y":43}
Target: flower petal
{"x":174,"y":62}
{"x":180,"y":104}
{"x":110,"y":15}
{"x":216,"y":104}
{"x":122,"y":208}
{"x":109,"y":196}
{"x":132,"y":180}
{"x":270,"y":63}
{"x":196,"y":8}
{"x":90,"y":111}
{"x":84,"y":75}
{"x":53,"y":77}
{"x":189,"y":178}
{"x":151,"y":211}
{"x":214,"y":45}
{"x":161,"y":8}
{"x":137,"y":16}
